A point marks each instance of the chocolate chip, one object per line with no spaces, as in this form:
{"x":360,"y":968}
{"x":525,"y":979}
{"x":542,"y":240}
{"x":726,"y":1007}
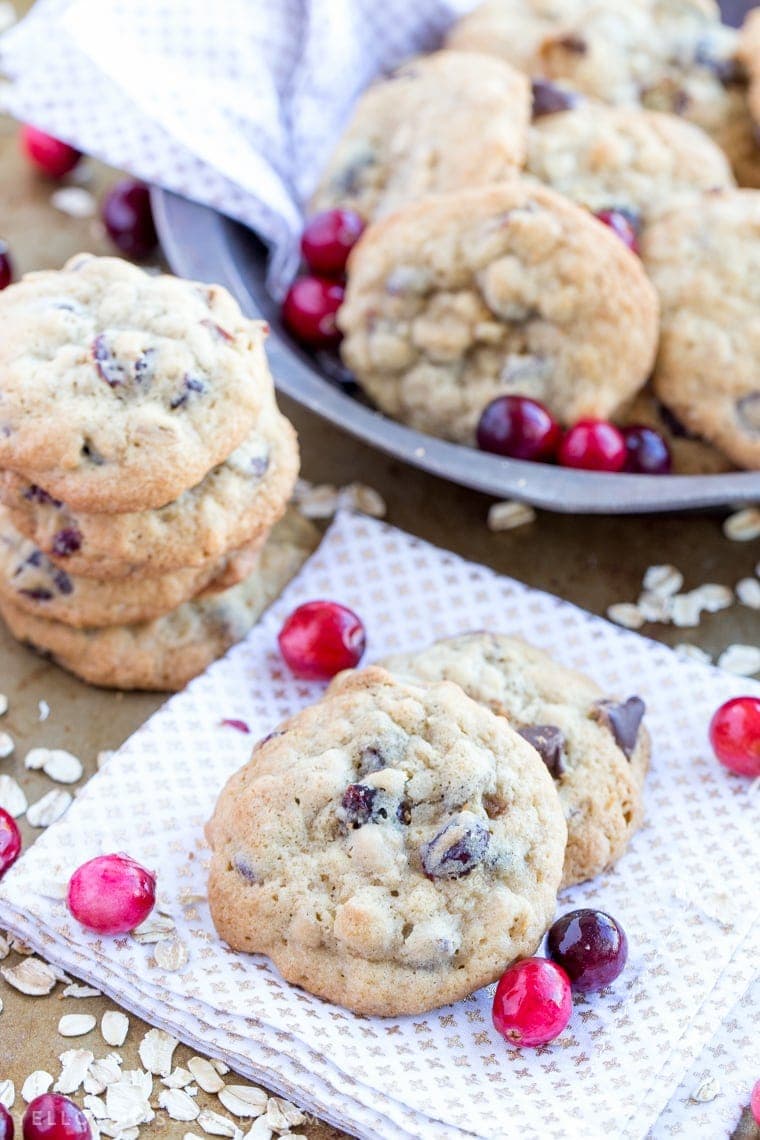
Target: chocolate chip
{"x":244,"y":869}
{"x":91,"y":454}
{"x":623,"y":719}
{"x":404,"y":812}
{"x":549,"y":743}
{"x":67,"y":541}
{"x":38,"y":594}
{"x":191,"y":384}
{"x":549,"y":99}
{"x":748,"y":413}
{"x":63,"y":583}
{"x":457,"y":848}
{"x":110,"y":369}
{"x":370,"y":760}
{"x":145,"y":366}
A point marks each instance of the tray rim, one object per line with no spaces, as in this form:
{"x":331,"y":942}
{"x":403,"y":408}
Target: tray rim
{"x":213,"y":255}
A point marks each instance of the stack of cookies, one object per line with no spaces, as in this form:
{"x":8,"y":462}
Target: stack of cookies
{"x":144,"y":473}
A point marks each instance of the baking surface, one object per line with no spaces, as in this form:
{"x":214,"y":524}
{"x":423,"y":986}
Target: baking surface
{"x":592,"y":562}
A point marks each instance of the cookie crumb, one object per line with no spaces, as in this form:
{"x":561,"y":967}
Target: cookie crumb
{"x":509,"y":514}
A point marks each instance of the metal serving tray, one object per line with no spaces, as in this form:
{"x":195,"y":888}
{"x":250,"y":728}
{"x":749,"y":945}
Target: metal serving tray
{"x":202,"y":244}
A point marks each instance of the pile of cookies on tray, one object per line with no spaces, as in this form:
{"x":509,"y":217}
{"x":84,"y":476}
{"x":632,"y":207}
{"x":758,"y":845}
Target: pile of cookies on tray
{"x":553,"y":212}
{"x":145,"y":471}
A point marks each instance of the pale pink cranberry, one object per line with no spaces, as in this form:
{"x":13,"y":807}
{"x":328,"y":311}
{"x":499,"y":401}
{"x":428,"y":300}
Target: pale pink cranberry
{"x":327,"y":240}
{"x":48,"y":154}
{"x":532,"y":1003}
{"x":310,"y":308}
{"x":321,"y":638}
{"x":624,"y":225}
{"x":10,"y":845}
{"x":6,"y":1124}
{"x":128,"y":217}
{"x":6,"y":265}
{"x":111,"y":894}
{"x":593,"y":445}
{"x":735,"y":735}
{"x":54,"y":1117}
{"x":520,"y":428}
{"x":754,"y":1103}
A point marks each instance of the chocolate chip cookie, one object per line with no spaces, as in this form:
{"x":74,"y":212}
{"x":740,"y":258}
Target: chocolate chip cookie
{"x":594,"y":747}
{"x":119,"y":389}
{"x":506,"y":289}
{"x":705,"y":264}
{"x":442,"y":122}
{"x":234,"y":505}
{"x":391,"y":848}
{"x":166,"y":653}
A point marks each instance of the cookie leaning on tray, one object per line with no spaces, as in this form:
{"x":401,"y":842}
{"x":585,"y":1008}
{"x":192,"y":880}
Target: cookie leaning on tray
{"x":143,"y":464}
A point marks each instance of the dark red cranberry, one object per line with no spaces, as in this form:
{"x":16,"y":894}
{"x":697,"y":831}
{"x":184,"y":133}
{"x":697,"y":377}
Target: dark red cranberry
{"x":54,"y":1117}
{"x":310,"y":308}
{"x":532,"y":1003}
{"x":624,"y":224}
{"x":48,"y":154}
{"x":6,"y":1124}
{"x":735,"y":735}
{"x":10,"y":849}
{"x":6,"y":265}
{"x":128,"y":217}
{"x":593,"y":445}
{"x":358,"y":803}
{"x":319,"y":639}
{"x":590,"y":947}
{"x":328,"y":239}
{"x":520,"y":428}
{"x":646,"y":452}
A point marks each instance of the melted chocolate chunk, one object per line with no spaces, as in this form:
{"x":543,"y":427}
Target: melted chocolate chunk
{"x":549,"y":743}
{"x":748,"y":413}
{"x":623,"y":719}
{"x":457,"y":848}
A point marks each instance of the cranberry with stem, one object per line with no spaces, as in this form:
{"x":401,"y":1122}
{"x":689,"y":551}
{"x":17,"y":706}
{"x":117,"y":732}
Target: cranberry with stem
{"x":590,"y":946}
{"x":593,"y":445}
{"x":520,"y":428}
{"x":10,"y":846}
{"x":321,"y":638}
{"x":49,"y":155}
{"x":328,"y":238}
{"x":532,"y":1003}
{"x":646,"y":452}
{"x":54,"y":1117}
{"x":735,"y":735}
{"x":310,"y":308}
{"x":111,"y":894}
{"x":128,"y":218}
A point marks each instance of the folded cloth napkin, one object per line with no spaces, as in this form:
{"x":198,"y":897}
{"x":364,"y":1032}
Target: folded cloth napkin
{"x":685,"y":891}
{"x":234,"y":104}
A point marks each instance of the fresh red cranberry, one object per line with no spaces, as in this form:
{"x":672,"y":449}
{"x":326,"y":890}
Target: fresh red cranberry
{"x":590,"y":947}
{"x":128,"y":217}
{"x":309,"y":310}
{"x":10,"y":848}
{"x":6,"y":265}
{"x":520,"y":428}
{"x":532,"y":1003}
{"x":593,"y":445}
{"x":328,"y":238}
{"x":646,"y":452}
{"x":111,"y":894}
{"x":6,"y":1124}
{"x":48,"y":154}
{"x":321,"y":638}
{"x":735,"y":735}
{"x":623,"y":225}
{"x":754,"y":1102}
{"x":54,"y":1117}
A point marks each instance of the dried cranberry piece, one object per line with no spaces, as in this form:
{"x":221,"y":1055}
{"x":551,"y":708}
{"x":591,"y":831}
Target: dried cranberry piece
{"x":457,"y":848}
{"x":548,"y":99}
{"x":358,"y":803}
{"x":37,"y":594}
{"x":191,"y":384}
{"x":35,"y":494}
{"x":67,"y":541}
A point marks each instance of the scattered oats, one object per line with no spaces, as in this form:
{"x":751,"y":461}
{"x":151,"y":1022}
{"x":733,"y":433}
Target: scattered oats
{"x":140,"y":1079}
{"x":178,"y":1104}
{"x":748,"y":593}
{"x":44,"y":710}
{"x":664,"y":580}
{"x":127,"y":1103}
{"x":244,"y":1100}
{"x":4,"y":948}
{"x":316,"y":500}
{"x":74,"y":1066}
{"x":48,"y":809}
{"x":114,"y":1026}
{"x":179,"y":1078}
{"x":6,"y":745}
{"x":360,"y":497}
{"x":102,"y":1073}
{"x":76,"y":1024}
{"x":190,"y":898}
{"x":3,"y":704}
{"x":693,"y":653}
{"x":220,"y":1067}
{"x":94,"y":1129}
{"x":260,"y":1130}
{"x":12,"y":796}
{"x":31,"y":976}
{"x":626,"y":614}
{"x":60,"y":974}
{"x":156,"y":928}
{"x":706,"y":1092}
{"x":36,"y":1084}
{"x":205,"y":1074}
{"x":713,"y":597}
{"x":76,"y":991}
{"x":171,"y":955}
{"x":744,"y":525}
{"x":216,"y":1124}
{"x":686,"y":611}
{"x":509,"y":515}
{"x":74,"y":201}
{"x":96,"y":1105}
{"x":283,"y":1114}
{"x":7,"y":1093}
{"x":56,"y":763}
{"x":104,"y":756}
{"x":655,"y":607}
{"x":156,"y":1051}
{"x":744,"y":660}
{"x":20,"y":946}
{"x":118,"y":1131}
